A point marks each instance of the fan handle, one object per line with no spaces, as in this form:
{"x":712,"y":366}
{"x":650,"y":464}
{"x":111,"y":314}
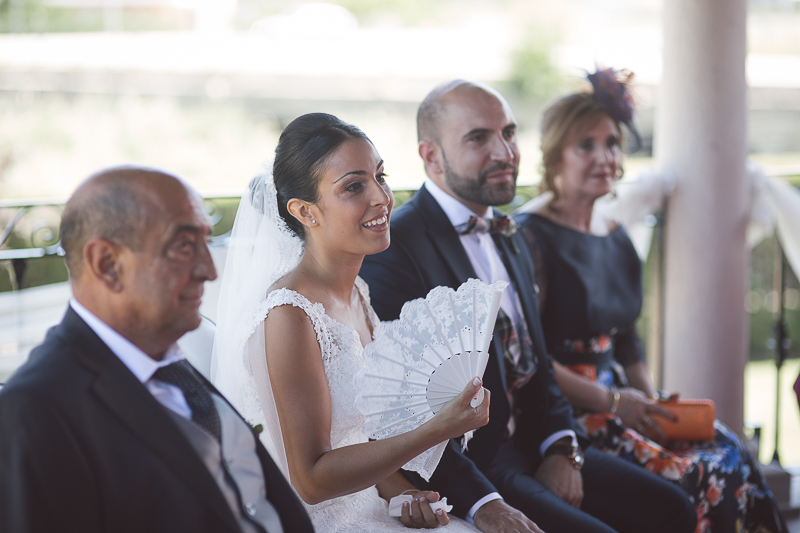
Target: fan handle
{"x":477,"y":399}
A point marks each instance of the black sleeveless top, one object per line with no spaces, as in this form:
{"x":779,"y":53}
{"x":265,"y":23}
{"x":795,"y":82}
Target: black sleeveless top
{"x":593,"y":293}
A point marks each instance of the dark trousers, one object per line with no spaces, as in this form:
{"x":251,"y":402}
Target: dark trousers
{"x":618,"y":496}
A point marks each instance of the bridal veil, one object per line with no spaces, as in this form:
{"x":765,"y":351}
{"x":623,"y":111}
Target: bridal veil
{"x":261,"y":250}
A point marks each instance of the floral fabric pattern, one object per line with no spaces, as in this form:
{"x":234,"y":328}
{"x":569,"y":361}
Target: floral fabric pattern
{"x":720,"y":476}
{"x":602,"y":343}
{"x":593,"y":287}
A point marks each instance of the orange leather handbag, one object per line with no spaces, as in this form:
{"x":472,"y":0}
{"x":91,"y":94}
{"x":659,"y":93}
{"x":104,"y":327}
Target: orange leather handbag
{"x":695,"y":420}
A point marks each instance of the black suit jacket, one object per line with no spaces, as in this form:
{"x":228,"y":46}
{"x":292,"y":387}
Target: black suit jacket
{"x":85,"y":447}
{"x":426,"y":252}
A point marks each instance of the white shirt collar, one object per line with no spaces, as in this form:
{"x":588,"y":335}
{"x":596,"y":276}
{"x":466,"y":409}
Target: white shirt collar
{"x":457,"y":212}
{"x":142,"y":365}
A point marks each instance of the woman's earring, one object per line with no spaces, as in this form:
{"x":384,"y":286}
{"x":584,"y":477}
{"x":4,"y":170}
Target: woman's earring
{"x":620,"y":172}
{"x":313,"y":221}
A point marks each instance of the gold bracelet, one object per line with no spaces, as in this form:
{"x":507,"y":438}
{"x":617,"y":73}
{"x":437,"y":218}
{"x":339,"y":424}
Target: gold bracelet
{"x":615,"y":399}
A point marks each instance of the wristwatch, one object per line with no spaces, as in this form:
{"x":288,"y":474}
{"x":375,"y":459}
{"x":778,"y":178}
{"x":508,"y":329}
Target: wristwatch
{"x":572,"y":452}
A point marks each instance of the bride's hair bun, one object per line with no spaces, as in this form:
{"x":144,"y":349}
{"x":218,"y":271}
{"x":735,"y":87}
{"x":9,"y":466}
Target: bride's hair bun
{"x":302,"y":148}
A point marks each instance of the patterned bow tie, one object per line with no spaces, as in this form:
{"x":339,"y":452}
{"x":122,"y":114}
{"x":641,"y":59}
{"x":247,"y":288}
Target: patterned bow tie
{"x":500,"y":224}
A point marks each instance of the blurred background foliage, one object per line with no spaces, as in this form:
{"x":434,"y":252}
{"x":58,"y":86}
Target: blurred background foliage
{"x":368,"y":12}
{"x":79,"y":16}
{"x":39,"y":16}
{"x":42,"y":132}
{"x":534,"y":76}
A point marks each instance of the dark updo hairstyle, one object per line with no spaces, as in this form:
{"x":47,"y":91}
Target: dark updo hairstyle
{"x":564,"y":120}
{"x":302,"y":149}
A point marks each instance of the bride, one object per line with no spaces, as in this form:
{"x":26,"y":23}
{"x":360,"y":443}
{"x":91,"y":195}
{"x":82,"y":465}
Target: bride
{"x":293,"y":320}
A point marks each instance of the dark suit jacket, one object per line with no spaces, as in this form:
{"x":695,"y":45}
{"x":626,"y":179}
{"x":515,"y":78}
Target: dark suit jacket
{"x":85,"y":447}
{"x":426,"y":252}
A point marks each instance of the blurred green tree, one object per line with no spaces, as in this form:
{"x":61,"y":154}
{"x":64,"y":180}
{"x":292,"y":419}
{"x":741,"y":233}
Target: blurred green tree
{"x":36,"y":16}
{"x":534,"y":74}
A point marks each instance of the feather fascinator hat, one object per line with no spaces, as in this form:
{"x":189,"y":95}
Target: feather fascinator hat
{"x":611,"y":90}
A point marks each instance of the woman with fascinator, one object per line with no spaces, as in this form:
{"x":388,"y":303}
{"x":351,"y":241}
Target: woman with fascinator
{"x":293,"y":320}
{"x":590,"y":279}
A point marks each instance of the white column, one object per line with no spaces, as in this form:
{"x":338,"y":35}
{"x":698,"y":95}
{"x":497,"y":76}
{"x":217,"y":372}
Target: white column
{"x":701,"y":137}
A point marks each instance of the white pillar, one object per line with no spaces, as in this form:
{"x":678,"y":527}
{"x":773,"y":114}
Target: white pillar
{"x":701,"y":138}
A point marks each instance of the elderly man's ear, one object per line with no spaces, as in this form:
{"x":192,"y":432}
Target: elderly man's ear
{"x":102,"y":260}
{"x":431,"y":156}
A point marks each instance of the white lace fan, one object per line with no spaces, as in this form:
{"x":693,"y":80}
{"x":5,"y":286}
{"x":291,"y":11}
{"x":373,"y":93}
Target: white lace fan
{"x":418,"y":363}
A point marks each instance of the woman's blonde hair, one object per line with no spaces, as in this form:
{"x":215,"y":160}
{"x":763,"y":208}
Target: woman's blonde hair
{"x":562,"y":122}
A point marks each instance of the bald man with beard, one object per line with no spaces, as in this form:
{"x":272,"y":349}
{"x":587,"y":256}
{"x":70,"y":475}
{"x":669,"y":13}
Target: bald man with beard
{"x":107,"y":428}
{"x":524,"y":471}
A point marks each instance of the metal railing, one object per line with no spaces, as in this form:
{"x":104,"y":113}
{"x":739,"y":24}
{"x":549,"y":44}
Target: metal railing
{"x":33,"y":227}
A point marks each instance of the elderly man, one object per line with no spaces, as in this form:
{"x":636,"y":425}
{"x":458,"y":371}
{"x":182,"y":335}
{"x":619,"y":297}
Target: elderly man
{"x":527,"y":453}
{"x":107,"y":428}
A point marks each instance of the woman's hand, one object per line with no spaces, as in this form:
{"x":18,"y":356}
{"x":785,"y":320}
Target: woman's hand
{"x":459,"y":416}
{"x":635,"y":410}
{"x":418,"y":514}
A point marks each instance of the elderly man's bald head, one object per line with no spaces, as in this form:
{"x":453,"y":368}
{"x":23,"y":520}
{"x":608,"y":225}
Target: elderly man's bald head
{"x":115,"y":204}
{"x":433,"y":108}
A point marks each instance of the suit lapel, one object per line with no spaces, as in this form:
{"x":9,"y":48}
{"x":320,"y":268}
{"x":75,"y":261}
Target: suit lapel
{"x":519,"y":264}
{"x":279,"y":492}
{"x":132,"y":403}
{"x":444,"y":237}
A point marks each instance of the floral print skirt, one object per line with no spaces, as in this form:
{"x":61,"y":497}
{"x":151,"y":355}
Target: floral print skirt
{"x":720,"y":476}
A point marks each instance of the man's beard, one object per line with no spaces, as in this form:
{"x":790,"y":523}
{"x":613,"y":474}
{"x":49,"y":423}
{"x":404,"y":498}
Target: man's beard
{"x":476,"y":190}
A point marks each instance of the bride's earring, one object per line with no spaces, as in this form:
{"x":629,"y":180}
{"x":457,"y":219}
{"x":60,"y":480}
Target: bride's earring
{"x":313,"y":221}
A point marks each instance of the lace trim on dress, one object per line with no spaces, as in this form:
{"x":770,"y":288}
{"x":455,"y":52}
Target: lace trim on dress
{"x":341,"y":350}
{"x":336,"y":342}
{"x":315,"y":311}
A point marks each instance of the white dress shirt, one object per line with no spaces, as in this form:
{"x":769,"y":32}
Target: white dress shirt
{"x":142,"y":365}
{"x":488,"y":265}
{"x":480,"y":248}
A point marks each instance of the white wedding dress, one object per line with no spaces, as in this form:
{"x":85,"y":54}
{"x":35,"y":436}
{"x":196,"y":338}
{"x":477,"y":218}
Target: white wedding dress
{"x":341,"y":350}
{"x":261,"y":250}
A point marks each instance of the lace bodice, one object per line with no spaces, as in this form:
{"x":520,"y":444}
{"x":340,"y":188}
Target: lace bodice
{"x":342,"y":357}
{"x":341,"y":349}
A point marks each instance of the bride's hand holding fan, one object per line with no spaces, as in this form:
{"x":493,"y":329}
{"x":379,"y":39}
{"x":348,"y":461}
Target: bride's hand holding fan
{"x":425,"y":362}
{"x":458,"y":416}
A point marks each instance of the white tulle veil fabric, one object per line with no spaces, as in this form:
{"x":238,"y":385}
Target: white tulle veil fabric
{"x":261,"y":250}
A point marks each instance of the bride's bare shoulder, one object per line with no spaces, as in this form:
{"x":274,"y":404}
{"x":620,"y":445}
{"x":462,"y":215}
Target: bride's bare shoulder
{"x":289,"y":313}
{"x":288,"y":329}
{"x":280,"y":283}
{"x":291,"y":281}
